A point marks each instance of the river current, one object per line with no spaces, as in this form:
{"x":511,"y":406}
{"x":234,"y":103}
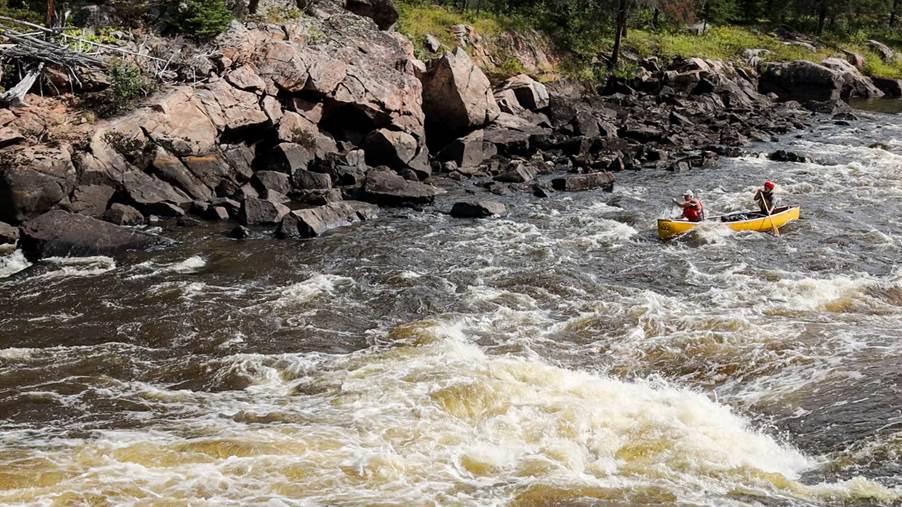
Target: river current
{"x":560,"y":355}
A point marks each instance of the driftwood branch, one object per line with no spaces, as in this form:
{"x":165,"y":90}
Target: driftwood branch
{"x":104,"y":47}
{"x":32,"y":48}
{"x":15,"y":96}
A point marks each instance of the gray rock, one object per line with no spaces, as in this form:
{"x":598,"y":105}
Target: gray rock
{"x":91,"y":200}
{"x":8,"y":233}
{"x":788,"y":156}
{"x":469,"y":151}
{"x":290,"y":157}
{"x":216,"y":213}
{"x":517,"y":173}
{"x":886,"y":53}
{"x":261,"y":212}
{"x":389,"y":188}
{"x":578,"y":182}
{"x":188,"y":222}
{"x":171,"y":169}
{"x":240,"y":232}
{"x":892,"y":88}
{"x":33,"y":180}
{"x":272,"y":180}
{"x":154,"y":196}
{"x":457,"y":96}
{"x":123,"y":214}
{"x":802,"y":81}
{"x":309,"y":180}
{"x":432,"y":43}
{"x":855,"y":85}
{"x":398,"y":150}
{"x":312,"y":222}
{"x":61,"y":234}
{"x":530,"y":93}
{"x":477,"y":209}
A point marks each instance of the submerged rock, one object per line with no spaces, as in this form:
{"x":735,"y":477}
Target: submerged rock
{"x":578,"y":182}
{"x":62,"y":234}
{"x":788,"y":156}
{"x":477,"y":209}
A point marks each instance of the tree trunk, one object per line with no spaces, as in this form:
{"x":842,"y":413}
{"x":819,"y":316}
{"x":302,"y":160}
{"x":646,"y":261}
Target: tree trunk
{"x":656,"y":18}
{"x":892,"y":15}
{"x":618,"y":34}
{"x":821,"y":16}
{"x":51,"y":12}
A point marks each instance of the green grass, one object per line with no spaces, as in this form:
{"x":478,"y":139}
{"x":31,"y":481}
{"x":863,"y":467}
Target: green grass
{"x":420,"y":17}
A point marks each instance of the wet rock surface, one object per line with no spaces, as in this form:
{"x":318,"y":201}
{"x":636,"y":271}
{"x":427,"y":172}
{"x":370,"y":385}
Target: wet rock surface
{"x":60,"y":234}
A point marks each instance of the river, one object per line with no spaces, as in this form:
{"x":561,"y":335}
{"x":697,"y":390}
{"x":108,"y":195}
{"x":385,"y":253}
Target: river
{"x":561,"y":355}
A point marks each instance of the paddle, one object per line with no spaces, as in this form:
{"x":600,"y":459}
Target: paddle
{"x":769,"y":214}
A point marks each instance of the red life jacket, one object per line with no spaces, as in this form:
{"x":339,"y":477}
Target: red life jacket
{"x":695,"y":211}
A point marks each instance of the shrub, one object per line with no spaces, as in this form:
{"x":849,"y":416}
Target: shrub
{"x":200,"y":19}
{"x":128,"y":85}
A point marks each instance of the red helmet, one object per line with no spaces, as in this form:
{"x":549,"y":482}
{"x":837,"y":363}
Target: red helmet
{"x":769,"y":185}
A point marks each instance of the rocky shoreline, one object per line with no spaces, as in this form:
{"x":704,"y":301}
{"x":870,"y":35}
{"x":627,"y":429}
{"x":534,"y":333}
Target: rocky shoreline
{"x":302,"y":128}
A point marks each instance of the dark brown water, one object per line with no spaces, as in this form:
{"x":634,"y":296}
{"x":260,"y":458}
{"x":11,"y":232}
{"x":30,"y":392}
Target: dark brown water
{"x":560,"y":355}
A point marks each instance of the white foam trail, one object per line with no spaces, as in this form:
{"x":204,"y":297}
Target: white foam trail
{"x":607,"y":233}
{"x":17,"y":354}
{"x":192,"y":264}
{"x":79,"y":266}
{"x":302,"y":292}
{"x":13,"y":263}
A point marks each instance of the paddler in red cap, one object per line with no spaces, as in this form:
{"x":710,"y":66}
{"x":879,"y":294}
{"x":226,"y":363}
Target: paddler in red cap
{"x":765,"y":197}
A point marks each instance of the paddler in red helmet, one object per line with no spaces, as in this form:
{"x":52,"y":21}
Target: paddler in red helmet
{"x":693,"y":209}
{"x":765,"y":197}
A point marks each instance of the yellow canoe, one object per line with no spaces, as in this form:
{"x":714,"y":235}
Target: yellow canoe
{"x":747,"y":221}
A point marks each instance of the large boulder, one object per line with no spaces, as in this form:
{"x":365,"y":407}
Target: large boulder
{"x":312,"y":222}
{"x":383,"y":12}
{"x":457,"y":96}
{"x":890,"y":87}
{"x":58,"y":233}
{"x":802,"y":81}
{"x":398,"y":150}
{"x":530,"y":93}
{"x":153,"y":196}
{"x":172,"y":170}
{"x":33,"y":180}
{"x":469,"y":151}
{"x":262,"y":211}
{"x":886,"y":53}
{"x":230,"y":108}
{"x":272,"y":180}
{"x":91,"y":200}
{"x":389,"y":188}
{"x":123,"y":214}
{"x":309,"y":180}
{"x":855,"y":85}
